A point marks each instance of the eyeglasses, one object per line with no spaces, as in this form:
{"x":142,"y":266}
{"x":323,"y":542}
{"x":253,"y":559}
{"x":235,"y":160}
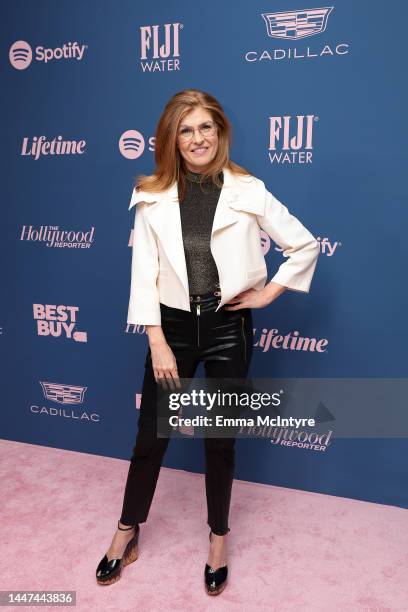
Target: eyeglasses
{"x":206,"y":129}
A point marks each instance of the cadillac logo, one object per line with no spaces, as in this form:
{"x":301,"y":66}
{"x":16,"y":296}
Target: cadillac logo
{"x":297,"y":24}
{"x":63,"y":394}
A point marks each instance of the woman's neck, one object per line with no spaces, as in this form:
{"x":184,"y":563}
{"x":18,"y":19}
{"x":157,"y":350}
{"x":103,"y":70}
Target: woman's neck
{"x":194,"y":176}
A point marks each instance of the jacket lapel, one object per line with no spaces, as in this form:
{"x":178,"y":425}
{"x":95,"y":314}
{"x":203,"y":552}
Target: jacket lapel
{"x":164,"y":217}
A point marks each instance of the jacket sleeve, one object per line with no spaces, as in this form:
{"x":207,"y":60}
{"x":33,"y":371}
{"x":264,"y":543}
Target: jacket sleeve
{"x":144,"y":303}
{"x":298,"y":244}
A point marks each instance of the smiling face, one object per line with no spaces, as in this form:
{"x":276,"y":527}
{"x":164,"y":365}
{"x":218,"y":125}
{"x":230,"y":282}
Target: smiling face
{"x":201,"y":147}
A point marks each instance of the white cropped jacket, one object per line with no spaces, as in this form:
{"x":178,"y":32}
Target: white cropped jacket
{"x":158,"y":269}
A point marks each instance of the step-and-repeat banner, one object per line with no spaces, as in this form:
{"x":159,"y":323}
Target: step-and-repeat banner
{"x":316,"y":95}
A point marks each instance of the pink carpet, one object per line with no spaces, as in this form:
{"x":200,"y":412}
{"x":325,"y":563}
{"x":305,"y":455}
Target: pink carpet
{"x":288,"y":549}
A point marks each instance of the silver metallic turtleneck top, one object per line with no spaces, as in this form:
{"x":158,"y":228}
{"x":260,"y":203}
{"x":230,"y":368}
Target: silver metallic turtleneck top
{"x":197,"y":211}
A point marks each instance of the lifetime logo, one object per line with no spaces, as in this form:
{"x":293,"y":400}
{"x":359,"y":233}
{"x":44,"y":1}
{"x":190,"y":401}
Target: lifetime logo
{"x":21,"y":54}
{"x":293,"y":341}
{"x":156,"y":57}
{"x":39,"y":145}
{"x":290,"y":135}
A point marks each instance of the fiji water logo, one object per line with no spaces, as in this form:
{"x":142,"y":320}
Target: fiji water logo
{"x":132,"y":144}
{"x":160,"y":47}
{"x":58,"y":321}
{"x":63,"y":394}
{"x":293,"y":26}
{"x":297,"y":24}
{"x":39,"y":146}
{"x":21,"y":53}
{"x":54,"y":237}
{"x":291,"y":139}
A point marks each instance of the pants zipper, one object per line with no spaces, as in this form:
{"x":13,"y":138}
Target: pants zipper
{"x":243,"y":335}
{"x":198,"y":324}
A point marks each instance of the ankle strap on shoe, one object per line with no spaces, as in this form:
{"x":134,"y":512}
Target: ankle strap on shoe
{"x":125,"y":528}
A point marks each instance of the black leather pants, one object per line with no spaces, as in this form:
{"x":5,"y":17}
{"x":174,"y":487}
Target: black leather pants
{"x":223,"y":342}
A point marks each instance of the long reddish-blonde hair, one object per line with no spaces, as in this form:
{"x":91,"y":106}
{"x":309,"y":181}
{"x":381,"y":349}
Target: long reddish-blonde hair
{"x":170,"y":164}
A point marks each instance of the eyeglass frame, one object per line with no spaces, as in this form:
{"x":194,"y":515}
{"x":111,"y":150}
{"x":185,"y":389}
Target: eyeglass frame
{"x":199,"y":128}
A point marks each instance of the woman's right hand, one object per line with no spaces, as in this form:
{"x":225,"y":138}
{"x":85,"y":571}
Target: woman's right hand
{"x":163,"y":360}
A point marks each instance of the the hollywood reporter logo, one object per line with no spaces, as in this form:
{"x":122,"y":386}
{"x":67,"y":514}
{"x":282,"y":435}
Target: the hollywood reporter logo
{"x":57,"y":321}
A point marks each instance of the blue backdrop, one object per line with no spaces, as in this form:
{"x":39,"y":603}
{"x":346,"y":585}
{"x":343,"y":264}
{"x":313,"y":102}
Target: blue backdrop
{"x":317,"y":100}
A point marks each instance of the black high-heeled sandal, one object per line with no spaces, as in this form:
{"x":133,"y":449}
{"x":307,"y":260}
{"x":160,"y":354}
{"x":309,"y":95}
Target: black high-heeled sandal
{"x":215,"y":581}
{"x":110,"y":571}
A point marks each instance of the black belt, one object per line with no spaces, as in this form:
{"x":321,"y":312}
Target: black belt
{"x":205,"y":302}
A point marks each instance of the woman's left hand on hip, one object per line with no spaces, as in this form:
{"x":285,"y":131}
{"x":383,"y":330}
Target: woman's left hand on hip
{"x":251,"y":298}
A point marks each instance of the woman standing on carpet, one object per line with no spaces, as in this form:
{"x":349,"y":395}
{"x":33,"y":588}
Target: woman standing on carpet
{"x":197,"y":271}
